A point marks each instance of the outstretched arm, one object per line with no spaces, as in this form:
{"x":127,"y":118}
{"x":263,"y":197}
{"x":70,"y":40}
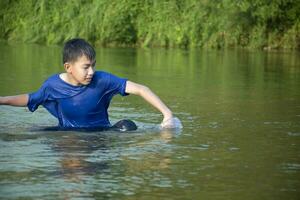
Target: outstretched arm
{"x":150,"y":97}
{"x":18,"y":100}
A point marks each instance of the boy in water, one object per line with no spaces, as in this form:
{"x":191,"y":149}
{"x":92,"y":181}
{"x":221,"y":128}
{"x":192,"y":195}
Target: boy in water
{"x":79,"y":98}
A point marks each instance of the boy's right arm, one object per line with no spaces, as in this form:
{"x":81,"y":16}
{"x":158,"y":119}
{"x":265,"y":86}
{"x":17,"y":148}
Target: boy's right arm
{"x":18,"y":100}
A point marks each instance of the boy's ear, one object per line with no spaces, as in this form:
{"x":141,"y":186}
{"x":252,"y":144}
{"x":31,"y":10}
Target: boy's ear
{"x":67,"y":67}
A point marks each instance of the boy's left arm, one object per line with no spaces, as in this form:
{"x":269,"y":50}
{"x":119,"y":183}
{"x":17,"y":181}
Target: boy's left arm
{"x":150,"y":97}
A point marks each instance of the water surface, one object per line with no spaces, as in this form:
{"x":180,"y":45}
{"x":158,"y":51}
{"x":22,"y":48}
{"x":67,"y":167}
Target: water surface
{"x":240,"y":111}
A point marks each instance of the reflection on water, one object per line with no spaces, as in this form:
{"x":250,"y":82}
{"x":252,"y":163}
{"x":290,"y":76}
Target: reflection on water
{"x":76,"y":164}
{"x":240,"y":111}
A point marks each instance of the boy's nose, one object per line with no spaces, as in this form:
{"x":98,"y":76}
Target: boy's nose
{"x":91,"y":71}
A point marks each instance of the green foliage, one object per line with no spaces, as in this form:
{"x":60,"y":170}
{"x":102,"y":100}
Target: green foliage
{"x":168,"y":23}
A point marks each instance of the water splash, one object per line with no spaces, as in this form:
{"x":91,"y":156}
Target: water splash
{"x":172,"y":123}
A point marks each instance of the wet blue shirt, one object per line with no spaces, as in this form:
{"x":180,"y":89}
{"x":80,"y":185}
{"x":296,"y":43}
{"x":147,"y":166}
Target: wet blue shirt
{"x":78,"y":106}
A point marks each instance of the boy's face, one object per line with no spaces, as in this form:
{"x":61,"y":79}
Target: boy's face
{"x":80,"y":71}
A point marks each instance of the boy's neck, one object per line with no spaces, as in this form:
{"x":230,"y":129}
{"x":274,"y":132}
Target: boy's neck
{"x":68,"y":79}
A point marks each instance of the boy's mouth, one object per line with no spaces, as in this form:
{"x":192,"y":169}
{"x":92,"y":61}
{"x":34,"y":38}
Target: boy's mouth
{"x":89,"y":78}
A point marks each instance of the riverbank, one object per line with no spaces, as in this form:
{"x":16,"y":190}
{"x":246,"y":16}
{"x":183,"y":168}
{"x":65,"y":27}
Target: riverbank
{"x":136,"y":23}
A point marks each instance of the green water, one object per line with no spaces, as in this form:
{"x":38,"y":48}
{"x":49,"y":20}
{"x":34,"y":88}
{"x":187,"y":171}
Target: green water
{"x":240,"y":111}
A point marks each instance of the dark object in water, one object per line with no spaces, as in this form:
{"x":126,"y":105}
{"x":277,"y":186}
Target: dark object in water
{"x":122,"y":126}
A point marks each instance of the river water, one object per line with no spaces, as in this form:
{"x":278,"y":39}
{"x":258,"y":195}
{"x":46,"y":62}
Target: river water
{"x":241,"y":136}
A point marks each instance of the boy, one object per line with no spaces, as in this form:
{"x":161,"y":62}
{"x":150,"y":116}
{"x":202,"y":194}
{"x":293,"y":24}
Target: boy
{"x":79,"y":98}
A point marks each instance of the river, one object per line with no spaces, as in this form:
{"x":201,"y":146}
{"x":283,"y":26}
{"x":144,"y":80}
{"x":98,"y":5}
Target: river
{"x":240,"y":111}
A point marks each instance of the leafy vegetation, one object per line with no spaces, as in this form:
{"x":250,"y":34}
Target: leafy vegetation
{"x":169,"y":23}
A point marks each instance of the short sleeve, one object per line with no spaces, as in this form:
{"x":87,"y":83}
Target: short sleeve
{"x":118,"y":84}
{"x":37,"y":98}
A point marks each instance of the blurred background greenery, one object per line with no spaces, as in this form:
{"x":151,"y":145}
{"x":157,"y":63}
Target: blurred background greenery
{"x":263,"y":24}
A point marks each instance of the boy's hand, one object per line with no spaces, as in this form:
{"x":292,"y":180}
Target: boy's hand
{"x":171,"y":123}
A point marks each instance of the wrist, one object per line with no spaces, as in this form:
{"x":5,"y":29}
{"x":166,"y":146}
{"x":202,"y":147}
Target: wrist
{"x":167,"y":115}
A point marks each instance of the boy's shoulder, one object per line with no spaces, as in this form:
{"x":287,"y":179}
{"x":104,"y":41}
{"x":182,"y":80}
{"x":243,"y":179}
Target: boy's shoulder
{"x":51,"y":79}
{"x":102,"y":75}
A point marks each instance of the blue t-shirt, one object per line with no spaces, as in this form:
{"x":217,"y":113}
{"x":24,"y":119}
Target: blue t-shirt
{"x":79,"y":106}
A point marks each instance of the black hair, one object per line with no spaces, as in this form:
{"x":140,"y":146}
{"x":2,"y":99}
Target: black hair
{"x":76,"y":48}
